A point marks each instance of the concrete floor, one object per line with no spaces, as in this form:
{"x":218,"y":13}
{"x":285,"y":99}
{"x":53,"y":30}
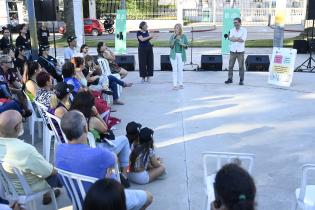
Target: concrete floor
{"x":275,"y":124}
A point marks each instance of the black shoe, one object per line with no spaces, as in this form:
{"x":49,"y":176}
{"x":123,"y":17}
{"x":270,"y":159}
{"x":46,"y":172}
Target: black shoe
{"x":124,"y":181}
{"x":241,"y":83}
{"x":228,"y":81}
{"x":107,"y":92}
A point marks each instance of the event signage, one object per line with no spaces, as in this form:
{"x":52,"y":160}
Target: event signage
{"x":282,"y":66}
{"x":120,"y":35}
{"x":228,"y":16}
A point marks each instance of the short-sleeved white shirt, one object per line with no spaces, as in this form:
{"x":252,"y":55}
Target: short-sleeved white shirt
{"x":238,"y":46}
{"x":26,"y":158}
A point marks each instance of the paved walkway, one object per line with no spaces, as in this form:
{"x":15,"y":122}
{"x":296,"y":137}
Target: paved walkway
{"x":275,"y":124}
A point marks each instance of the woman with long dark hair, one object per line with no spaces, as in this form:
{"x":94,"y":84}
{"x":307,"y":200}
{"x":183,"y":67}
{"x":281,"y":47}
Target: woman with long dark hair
{"x":105,"y":194}
{"x":145,"y":52}
{"x":145,"y":166}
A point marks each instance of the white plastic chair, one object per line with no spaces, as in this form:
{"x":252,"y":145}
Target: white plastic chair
{"x":305,"y":195}
{"x":30,"y":197}
{"x":47,"y":133}
{"x":74,"y":186}
{"x":51,"y":118}
{"x":221,"y":158}
{"x":33,"y":119}
{"x":106,"y":71}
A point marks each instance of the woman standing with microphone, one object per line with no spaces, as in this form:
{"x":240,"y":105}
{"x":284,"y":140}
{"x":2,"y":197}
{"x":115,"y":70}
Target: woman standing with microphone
{"x":145,"y":52}
{"x":178,"y":44}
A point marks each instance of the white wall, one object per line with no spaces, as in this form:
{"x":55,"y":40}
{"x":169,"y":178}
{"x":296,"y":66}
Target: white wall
{"x":4,"y":19}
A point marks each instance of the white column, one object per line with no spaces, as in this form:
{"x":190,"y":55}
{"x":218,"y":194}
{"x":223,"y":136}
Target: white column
{"x":179,"y":7}
{"x":92,"y":8}
{"x":78,"y":22}
{"x":23,"y":16}
{"x":4,"y":13}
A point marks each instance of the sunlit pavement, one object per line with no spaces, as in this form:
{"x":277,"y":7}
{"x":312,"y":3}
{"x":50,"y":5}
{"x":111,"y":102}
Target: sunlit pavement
{"x":275,"y":124}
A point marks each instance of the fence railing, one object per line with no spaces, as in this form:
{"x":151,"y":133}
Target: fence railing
{"x":250,"y":16}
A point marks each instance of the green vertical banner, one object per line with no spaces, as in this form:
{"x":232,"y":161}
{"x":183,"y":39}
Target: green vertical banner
{"x":120,"y":34}
{"x":228,"y":16}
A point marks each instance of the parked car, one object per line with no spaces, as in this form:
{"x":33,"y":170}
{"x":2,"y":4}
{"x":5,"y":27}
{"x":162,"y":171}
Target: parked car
{"x":93,"y":26}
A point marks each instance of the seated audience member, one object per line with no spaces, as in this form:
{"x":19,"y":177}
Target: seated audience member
{"x":5,"y":42}
{"x":15,"y":73}
{"x":38,"y":172}
{"x":4,"y":205}
{"x":96,"y":81}
{"x":105,"y":194}
{"x":60,"y":102}
{"x":68,"y":73}
{"x":144,"y":165}
{"x":70,"y":51}
{"x":105,"y":52}
{"x":20,"y":59}
{"x":97,"y":162}
{"x":79,"y":66}
{"x":84,"y":102}
{"x":132,"y":133}
{"x":49,"y":63}
{"x":7,"y":104}
{"x":234,"y":189}
{"x":7,"y":92}
{"x":84,"y":50}
{"x":30,"y":74}
{"x":44,"y":92}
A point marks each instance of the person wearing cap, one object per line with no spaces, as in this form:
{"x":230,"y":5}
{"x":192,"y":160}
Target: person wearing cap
{"x":132,"y":133}
{"x":70,"y":50}
{"x":49,"y":63}
{"x":60,"y":102}
{"x":5,"y":41}
{"x":43,"y":34}
{"x":20,"y":59}
{"x":24,"y":40}
{"x":145,"y":167}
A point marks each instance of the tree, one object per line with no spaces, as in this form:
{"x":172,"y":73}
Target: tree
{"x":69,"y":18}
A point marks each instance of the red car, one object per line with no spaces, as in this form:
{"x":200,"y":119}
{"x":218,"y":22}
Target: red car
{"x":93,"y":26}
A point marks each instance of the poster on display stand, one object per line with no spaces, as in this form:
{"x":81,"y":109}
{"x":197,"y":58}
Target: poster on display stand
{"x":282,"y":66}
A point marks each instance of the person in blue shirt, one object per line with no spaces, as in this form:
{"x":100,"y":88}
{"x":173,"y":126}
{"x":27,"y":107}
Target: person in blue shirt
{"x":68,"y":73}
{"x":77,"y":157}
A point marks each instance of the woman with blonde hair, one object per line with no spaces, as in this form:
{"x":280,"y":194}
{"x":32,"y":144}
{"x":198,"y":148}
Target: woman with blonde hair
{"x":178,"y":43}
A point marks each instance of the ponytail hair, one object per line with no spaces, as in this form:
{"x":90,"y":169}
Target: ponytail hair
{"x":235,"y":188}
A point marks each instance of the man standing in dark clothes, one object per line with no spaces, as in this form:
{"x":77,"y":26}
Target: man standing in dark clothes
{"x":5,"y":41}
{"x":43,"y":34}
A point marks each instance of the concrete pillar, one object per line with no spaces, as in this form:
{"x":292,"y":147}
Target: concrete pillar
{"x":92,"y":8}
{"x":78,"y":22}
{"x":4,"y":14}
{"x":179,"y":7}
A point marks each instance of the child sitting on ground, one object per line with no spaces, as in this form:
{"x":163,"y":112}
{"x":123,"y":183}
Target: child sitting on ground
{"x":144,"y":165}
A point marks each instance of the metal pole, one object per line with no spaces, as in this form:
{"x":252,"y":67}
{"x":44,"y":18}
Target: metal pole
{"x":54,"y":34}
{"x":123,"y":4}
{"x":32,"y":28}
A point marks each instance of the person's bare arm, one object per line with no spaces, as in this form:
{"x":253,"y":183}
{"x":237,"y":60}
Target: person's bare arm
{"x":155,"y":162}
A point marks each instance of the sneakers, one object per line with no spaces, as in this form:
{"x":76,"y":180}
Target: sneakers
{"x":124,"y":181}
{"x":117,"y":102}
{"x":228,"y":81}
{"x":241,"y":83}
{"x":47,"y":198}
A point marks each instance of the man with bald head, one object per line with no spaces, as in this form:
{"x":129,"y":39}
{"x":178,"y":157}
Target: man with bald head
{"x":38,"y":172}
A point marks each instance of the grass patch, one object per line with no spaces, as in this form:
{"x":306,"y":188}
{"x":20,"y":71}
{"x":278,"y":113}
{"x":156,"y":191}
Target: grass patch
{"x":60,"y":43}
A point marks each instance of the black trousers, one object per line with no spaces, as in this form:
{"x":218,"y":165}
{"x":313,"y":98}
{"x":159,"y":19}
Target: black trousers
{"x":146,"y":61}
